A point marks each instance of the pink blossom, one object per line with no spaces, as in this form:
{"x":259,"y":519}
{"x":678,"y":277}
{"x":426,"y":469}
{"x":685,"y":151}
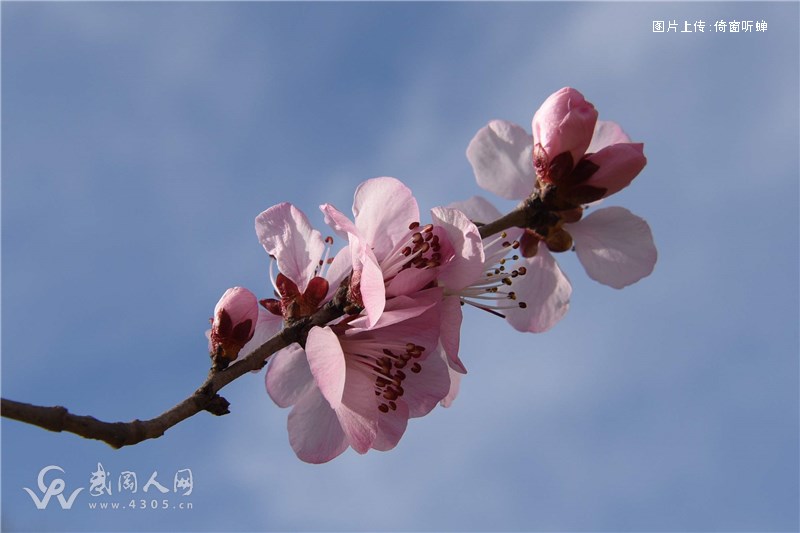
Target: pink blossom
{"x":302,"y":283}
{"x":392,"y":253}
{"x":567,"y":169}
{"x":234,"y":322}
{"x":305,"y":280}
{"x":585,"y":158}
{"x":385,"y":213}
{"x":356,"y":385}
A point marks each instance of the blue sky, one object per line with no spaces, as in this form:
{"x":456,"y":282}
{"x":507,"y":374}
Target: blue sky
{"x":140,"y":140}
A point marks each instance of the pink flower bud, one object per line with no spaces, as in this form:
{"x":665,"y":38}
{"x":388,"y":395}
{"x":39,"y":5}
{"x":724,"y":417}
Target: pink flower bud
{"x":234,"y":322}
{"x":564,"y":124}
{"x":619,"y":164}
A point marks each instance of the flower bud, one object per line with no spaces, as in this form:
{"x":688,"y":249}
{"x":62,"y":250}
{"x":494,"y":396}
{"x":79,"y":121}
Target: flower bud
{"x":564,"y":124}
{"x":234,"y":322}
{"x":618,"y":165}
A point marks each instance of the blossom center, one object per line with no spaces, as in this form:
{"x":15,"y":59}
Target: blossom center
{"x":494,"y":290}
{"x":390,"y":363}
{"x":419,"y":248}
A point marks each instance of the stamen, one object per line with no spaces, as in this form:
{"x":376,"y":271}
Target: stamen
{"x":326,"y":259}
{"x":272,"y":276}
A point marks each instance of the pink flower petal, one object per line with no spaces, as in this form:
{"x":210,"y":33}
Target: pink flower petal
{"x":358,"y":412}
{"x":339,"y":269}
{"x":326,"y":361}
{"x":338,"y":221}
{"x":398,"y":310}
{"x":391,"y":427}
{"x":315,"y":433}
{"x":455,"y":385}
{"x":614,"y":246}
{"x":372,"y":288}
{"x":421,"y":321}
{"x":429,"y":387}
{"x":478,"y":209}
{"x":267,"y":326}
{"x":383,"y":210}
{"x":546,"y":292}
{"x":606,"y":133}
{"x":500,"y":155}
{"x":450,"y":333}
{"x":288,"y":376}
{"x":367,"y":275}
{"x":409,"y":281}
{"x":466,"y":264}
{"x":286,"y":234}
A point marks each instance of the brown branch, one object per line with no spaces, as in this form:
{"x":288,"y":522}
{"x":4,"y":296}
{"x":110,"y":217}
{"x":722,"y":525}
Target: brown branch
{"x":516,"y":217}
{"x":206,"y":397}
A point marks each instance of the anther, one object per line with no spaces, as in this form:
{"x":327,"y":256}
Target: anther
{"x":413,"y":225}
{"x":390,"y":394}
{"x":416,"y":368}
{"x":383,"y":408}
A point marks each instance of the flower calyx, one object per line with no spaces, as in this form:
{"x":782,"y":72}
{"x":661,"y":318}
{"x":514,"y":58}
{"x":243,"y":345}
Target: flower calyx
{"x":293,"y":305}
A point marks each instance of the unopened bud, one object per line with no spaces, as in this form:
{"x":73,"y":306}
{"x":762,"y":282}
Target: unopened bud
{"x":234,"y":322}
{"x":618,"y":165}
{"x":562,"y":130}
